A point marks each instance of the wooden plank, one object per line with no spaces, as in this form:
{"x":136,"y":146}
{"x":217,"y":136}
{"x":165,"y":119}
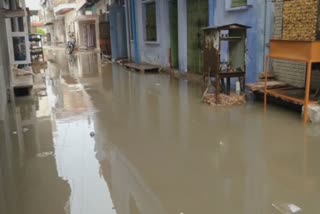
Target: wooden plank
{"x":142,"y":67}
{"x":285,"y":96}
{"x":300,"y":51}
{"x":270,"y":85}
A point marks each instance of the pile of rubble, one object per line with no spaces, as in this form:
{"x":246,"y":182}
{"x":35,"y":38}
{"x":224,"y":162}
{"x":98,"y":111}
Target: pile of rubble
{"x":224,"y":100}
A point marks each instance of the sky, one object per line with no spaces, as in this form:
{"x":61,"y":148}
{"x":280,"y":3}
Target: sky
{"x":33,"y":4}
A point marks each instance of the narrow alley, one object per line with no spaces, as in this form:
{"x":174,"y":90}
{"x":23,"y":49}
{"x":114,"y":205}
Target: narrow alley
{"x":107,"y":140}
{"x":159,"y":106}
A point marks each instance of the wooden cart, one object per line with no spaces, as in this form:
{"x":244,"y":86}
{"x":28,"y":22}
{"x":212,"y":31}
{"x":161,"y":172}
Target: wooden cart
{"x":234,"y":37}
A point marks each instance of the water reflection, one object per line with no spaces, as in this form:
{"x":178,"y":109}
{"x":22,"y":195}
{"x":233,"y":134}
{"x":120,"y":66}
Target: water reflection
{"x":48,"y":158}
{"x":155,"y":149}
{"x":28,"y":178}
{"x":75,"y":152}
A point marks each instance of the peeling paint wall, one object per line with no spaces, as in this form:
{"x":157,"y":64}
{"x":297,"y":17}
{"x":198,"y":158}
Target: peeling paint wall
{"x":257,"y":15}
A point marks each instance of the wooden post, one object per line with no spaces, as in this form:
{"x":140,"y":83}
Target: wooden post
{"x":307,"y":93}
{"x":266,"y":71}
{"x":217,"y":88}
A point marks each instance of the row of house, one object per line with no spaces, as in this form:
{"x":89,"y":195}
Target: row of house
{"x":161,"y":32}
{"x":168,"y":33}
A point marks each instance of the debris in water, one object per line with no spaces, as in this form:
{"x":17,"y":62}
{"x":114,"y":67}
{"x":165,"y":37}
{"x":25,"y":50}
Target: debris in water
{"x":286,"y":208}
{"x":14,"y":132}
{"x":225,"y":100}
{"x":92,"y":134}
{"x":44,"y":154}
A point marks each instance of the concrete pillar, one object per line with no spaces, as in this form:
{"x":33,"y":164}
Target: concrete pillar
{"x":183,"y":35}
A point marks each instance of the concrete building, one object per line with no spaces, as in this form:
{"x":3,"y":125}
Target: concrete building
{"x":157,"y":32}
{"x":62,"y":17}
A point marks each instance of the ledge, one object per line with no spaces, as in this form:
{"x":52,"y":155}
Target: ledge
{"x":231,"y":9}
{"x":151,"y":43}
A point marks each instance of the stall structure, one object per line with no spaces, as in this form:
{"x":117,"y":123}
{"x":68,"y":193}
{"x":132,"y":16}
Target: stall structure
{"x":300,"y":42}
{"x":229,"y":40}
{"x":298,"y":51}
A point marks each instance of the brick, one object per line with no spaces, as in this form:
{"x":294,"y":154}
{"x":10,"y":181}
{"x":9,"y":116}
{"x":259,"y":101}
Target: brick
{"x":300,"y":20}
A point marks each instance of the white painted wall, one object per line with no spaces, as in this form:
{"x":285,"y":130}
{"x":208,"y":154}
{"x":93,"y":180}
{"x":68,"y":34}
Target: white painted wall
{"x":4,"y":67}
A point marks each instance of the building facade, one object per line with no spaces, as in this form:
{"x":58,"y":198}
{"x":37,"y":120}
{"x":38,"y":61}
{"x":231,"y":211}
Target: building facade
{"x":157,"y":32}
{"x":255,"y":14}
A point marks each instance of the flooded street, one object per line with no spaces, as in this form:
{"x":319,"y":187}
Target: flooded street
{"x":102,"y":139}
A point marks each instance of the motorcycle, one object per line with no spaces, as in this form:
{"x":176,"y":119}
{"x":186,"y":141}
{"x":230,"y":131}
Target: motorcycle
{"x":70,"y":44}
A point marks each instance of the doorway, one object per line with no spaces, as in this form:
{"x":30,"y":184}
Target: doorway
{"x":174,"y":48}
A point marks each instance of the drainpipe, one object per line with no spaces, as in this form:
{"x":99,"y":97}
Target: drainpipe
{"x":135,"y":33}
{"x":127,"y":8}
{"x":264,"y":33}
{"x":211,"y":12}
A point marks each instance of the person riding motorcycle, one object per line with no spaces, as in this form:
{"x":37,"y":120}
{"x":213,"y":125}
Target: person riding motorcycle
{"x":71,"y":43}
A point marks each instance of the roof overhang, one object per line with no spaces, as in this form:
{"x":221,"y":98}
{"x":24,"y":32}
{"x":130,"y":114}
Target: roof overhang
{"x":64,"y":8}
{"x":232,"y":26}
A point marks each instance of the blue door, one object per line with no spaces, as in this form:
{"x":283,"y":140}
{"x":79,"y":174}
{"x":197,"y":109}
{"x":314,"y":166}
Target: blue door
{"x":118,"y":32}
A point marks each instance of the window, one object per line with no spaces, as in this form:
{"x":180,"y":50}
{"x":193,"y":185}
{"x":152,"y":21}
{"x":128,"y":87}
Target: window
{"x":150,"y":21}
{"x":238,"y":3}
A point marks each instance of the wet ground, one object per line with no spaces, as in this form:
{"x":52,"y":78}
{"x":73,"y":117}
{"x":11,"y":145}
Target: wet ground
{"x":101,"y":139}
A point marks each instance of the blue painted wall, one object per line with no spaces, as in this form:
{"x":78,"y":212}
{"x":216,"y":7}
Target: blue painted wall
{"x":256,"y":16}
{"x":156,"y":53}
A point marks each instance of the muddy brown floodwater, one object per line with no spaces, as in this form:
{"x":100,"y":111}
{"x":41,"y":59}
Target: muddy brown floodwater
{"x":104,"y":140}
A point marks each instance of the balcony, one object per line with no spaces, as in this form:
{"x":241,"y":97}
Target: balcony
{"x":63,"y":6}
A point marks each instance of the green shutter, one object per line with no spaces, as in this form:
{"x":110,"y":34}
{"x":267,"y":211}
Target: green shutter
{"x":238,"y":3}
